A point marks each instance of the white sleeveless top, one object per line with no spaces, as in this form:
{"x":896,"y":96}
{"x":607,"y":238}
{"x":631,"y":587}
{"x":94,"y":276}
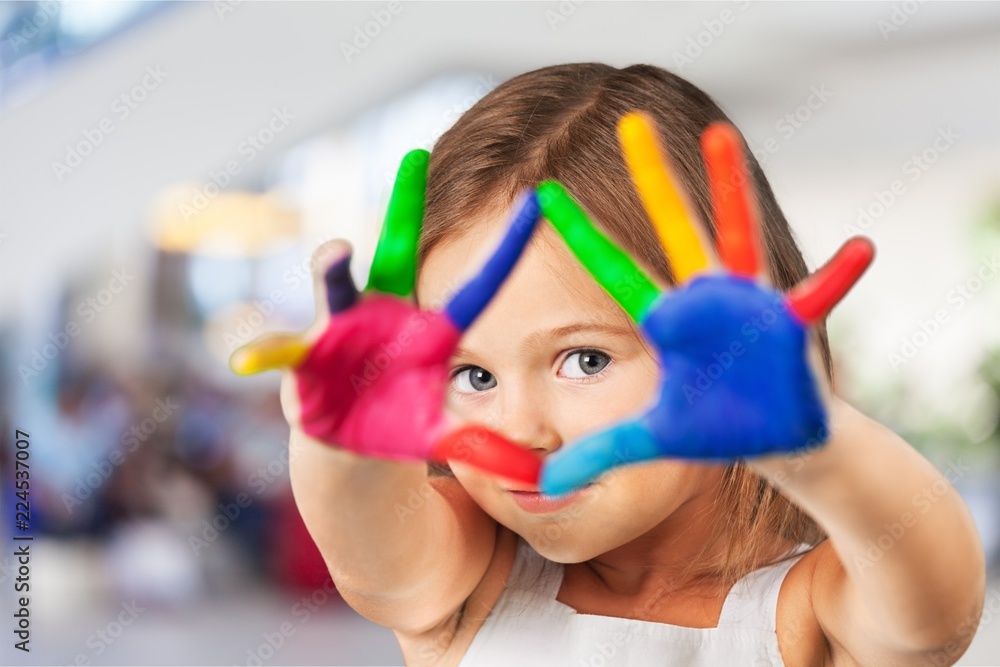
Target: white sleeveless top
{"x":528,"y":627}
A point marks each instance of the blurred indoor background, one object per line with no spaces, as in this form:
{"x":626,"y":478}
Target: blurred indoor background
{"x":166,"y":170}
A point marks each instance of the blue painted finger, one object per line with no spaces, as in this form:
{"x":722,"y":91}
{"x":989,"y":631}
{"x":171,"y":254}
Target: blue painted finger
{"x":579,"y":463}
{"x":470,"y":301}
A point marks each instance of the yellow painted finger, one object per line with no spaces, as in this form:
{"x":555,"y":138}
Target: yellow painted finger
{"x":664,"y":204}
{"x":280,"y":351}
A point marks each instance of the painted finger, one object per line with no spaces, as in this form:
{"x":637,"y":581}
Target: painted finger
{"x":269,"y":353}
{"x":610,"y":266}
{"x":577,"y":464}
{"x":667,"y":206}
{"x":333,"y":287}
{"x":470,"y":301}
{"x":394,"y":267}
{"x":487,"y":450}
{"x":816,"y":296}
{"x":733,"y":200}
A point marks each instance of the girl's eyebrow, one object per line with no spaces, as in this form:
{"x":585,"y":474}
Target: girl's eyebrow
{"x":538,"y":338}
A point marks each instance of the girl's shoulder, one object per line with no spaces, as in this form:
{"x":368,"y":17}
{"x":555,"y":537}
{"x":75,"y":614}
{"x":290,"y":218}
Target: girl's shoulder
{"x":800,"y":637}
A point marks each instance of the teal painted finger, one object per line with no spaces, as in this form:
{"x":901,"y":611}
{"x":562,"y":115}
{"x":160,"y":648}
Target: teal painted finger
{"x":394,"y":268}
{"x":610,"y":266}
{"x":580,"y":462}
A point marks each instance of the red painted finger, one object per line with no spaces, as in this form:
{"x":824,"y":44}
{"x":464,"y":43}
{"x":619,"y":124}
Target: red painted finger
{"x":816,"y":296}
{"x":487,"y":450}
{"x":732,"y":199}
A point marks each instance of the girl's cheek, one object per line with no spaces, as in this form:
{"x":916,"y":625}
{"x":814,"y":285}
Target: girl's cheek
{"x":471,"y":407}
{"x":629,"y":388}
{"x":470,"y":479}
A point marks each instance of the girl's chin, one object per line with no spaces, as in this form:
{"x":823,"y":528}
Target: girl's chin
{"x":568,"y":550}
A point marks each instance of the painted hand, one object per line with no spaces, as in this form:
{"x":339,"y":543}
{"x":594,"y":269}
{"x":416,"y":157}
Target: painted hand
{"x":374,"y":380}
{"x":736,"y":380}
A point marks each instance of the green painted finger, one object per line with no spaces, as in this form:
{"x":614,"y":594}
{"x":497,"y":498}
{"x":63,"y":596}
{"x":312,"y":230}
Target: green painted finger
{"x":394,"y":269}
{"x":610,"y":266}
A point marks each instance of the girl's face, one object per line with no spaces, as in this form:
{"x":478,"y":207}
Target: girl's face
{"x":551,"y":359}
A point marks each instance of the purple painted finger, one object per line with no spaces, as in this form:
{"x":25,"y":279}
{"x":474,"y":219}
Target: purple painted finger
{"x":341,"y":293}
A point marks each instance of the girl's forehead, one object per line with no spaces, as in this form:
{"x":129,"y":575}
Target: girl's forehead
{"x":546,"y":279}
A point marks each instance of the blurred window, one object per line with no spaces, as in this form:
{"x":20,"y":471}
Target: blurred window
{"x":38,"y":36}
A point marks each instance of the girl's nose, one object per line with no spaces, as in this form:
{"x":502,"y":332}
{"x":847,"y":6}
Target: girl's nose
{"x":524,"y":417}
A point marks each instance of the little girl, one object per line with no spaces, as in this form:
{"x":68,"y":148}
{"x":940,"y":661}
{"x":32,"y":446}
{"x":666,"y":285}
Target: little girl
{"x":857,"y":552}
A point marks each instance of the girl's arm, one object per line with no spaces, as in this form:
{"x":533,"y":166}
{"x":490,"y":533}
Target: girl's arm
{"x":404,"y":550}
{"x":905,"y":576}
{"x":902,"y":576}
{"x":363,"y":394}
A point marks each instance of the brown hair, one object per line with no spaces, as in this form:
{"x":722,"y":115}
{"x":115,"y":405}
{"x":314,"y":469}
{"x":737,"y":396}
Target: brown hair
{"x":559,"y":123}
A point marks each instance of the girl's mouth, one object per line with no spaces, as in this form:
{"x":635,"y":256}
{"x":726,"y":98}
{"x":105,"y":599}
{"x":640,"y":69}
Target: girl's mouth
{"x":539,"y":503}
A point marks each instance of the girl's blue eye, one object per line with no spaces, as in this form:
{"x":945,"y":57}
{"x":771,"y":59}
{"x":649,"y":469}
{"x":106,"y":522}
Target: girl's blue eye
{"x":584,"y":364}
{"x":472,"y":379}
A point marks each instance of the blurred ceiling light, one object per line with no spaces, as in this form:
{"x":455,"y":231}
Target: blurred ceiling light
{"x":85,"y":20}
{"x":230,"y":224}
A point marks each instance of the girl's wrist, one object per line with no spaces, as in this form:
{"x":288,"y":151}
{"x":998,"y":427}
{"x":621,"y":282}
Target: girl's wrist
{"x":825,"y":454}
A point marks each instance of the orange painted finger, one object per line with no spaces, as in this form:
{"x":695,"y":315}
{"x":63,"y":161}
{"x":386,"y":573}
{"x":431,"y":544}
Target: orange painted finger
{"x":733,"y":201}
{"x":664,"y":203}
{"x":816,"y":296}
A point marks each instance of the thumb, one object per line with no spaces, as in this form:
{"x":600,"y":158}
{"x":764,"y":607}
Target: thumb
{"x":580,"y":462}
{"x":269,"y":353}
{"x":334,"y":292}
